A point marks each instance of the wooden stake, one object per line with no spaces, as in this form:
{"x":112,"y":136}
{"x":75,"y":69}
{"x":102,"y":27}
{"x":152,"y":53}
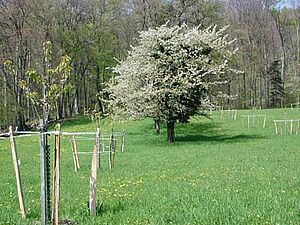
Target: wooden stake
{"x":123,"y":141}
{"x":98,"y":135}
{"x":264,"y":124}
{"x":291,"y":131}
{"x":276,"y":130}
{"x":93,"y":178}
{"x":75,"y":153}
{"x":248,"y":121}
{"x":17,"y":172}
{"x":56,"y":175}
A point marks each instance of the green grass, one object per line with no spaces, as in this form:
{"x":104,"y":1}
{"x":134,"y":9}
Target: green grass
{"x":217,"y":172}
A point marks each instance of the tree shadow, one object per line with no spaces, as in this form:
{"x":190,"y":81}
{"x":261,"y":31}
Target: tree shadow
{"x":210,"y":132}
{"x":114,"y":208}
{"x":218,"y":138}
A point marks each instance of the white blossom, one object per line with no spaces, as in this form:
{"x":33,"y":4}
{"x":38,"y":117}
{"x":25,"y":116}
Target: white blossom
{"x":169,"y":74}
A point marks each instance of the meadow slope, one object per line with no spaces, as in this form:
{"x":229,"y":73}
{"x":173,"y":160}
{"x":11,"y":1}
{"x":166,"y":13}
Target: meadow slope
{"x":217,"y":172}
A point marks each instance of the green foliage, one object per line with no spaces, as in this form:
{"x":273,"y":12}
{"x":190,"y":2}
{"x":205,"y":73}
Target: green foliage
{"x":9,"y":66}
{"x":44,"y":89}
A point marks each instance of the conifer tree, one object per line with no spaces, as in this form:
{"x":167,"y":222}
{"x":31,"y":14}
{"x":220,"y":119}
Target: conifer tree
{"x":277,"y":92}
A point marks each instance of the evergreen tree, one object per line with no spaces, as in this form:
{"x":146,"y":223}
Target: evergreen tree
{"x":276,"y":92}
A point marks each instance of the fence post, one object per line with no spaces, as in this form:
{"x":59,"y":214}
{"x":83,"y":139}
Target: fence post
{"x":248,"y":121}
{"x":123,"y":141}
{"x":93,"y":179}
{"x":56,"y":175}
{"x":110,"y":149}
{"x":75,"y":153}
{"x":264,"y":124}
{"x":98,"y":134}
{"x":276,"y":130}
{"x":17,"y":172}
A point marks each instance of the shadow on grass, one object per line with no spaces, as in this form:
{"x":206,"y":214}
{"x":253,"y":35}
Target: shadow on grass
{"x":115,"y":208}
{"x":218,"y":138}
{"x":195,"y":132}
{"x":209,"y":132}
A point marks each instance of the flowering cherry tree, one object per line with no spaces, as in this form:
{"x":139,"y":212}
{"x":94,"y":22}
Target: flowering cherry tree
{"x":169,"y":75}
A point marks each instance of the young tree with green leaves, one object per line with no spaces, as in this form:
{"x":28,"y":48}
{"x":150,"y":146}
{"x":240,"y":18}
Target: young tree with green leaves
{"x":45,"y":89}
{"x":169,"y":75}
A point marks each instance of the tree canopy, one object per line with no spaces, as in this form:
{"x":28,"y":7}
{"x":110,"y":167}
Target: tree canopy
{"x":168,"y":76}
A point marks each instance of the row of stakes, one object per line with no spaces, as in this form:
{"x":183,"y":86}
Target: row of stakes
{"x":282,"y":127}
{"x":98,"y":150}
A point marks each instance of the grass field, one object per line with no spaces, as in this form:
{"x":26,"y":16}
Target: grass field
{"x":217,"y":172}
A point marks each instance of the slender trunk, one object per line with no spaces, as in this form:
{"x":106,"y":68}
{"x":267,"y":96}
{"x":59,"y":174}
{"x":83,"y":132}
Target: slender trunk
{"x":261,"y":87}
{"x":64,"y":105}
{"x":228,"y":93}
{"x":98,"y":88}
{"x":70,"y":103}
{"x":266,"y":83}
{"x":4,"y":92}
{"x":267,"y":87}
{"x":84,"y":93}
{"x":283,"y":73}
{"x":298,"y":46}
{"x":170,"y":131}
{"x":76,"y":100}
{"x":245,"y":91}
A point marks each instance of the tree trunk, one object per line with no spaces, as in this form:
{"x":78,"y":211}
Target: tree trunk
{"x":76,"y":101}
{"x":98,"y":89}
{"x":170,"y":131}
{"x":157,"y":126}
{"x":20,"y":123}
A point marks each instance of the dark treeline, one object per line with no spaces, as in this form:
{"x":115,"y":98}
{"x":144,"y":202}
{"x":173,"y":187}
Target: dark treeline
{"x":94,"y":33}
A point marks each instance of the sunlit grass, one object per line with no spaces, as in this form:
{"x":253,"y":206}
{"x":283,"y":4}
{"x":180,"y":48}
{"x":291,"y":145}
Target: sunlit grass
{"x":217,"y":172}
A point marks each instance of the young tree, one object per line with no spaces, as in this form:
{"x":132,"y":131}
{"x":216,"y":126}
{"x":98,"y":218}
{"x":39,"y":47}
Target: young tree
{"x":45,"y":89}
{"x":169,"y":75}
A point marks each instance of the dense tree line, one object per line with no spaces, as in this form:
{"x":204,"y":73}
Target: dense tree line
{"x":97,"y":33}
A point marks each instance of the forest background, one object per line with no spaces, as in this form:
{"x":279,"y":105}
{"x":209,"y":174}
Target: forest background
{"x":95,"y":34}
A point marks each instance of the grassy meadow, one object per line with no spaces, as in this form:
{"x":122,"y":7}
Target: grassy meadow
{"x":217,"y":172}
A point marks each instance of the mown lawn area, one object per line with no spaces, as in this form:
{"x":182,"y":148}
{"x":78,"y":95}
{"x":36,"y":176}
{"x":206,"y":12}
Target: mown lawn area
{"x":217,"y":172}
